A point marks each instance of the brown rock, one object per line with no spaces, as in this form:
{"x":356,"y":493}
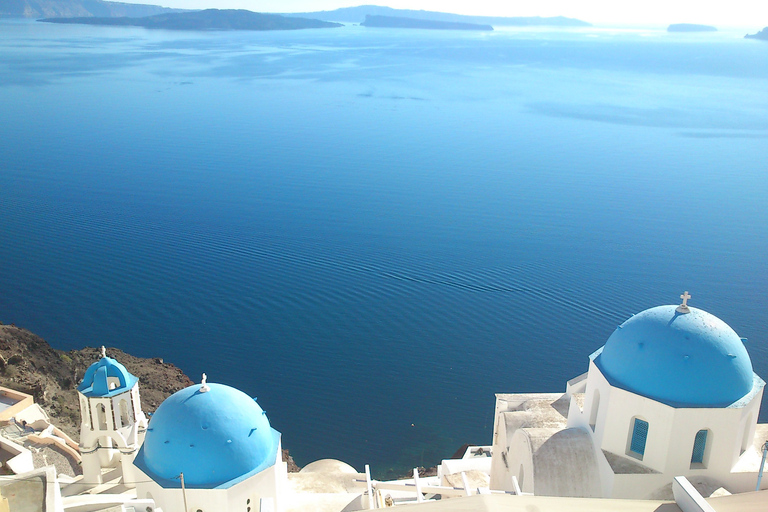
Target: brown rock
{"x":51,"y":375}
{"x":292,"y":466}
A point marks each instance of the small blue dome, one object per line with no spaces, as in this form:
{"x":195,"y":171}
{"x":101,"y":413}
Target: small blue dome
{"x":683,"y":360}
{"x":106,"y":377}
{"x":213,"y":437}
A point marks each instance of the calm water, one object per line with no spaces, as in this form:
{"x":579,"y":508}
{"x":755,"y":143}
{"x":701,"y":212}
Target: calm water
{"x":375,"y":231}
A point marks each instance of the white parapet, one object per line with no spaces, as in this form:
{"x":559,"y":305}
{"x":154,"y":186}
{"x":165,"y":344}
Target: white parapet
{"x":687,"y":497}
{"x":18,"y":458}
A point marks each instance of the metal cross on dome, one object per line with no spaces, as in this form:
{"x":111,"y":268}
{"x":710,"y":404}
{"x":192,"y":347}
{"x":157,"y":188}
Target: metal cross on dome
{"x":683,"y":308}
{"x":103,"y":351}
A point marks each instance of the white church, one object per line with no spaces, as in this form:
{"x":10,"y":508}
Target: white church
{"x":209,"y":447}
{"x":666,"y":415}
{"x":671,"y":393}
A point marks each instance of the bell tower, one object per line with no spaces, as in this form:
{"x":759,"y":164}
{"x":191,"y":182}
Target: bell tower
{"x":112,"y":424}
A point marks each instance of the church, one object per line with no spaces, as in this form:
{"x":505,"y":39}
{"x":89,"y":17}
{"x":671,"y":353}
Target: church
{"x":209,"y":447}
{"x":672,"y":392}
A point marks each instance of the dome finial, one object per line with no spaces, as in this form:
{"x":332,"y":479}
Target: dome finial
{"x":683,"y":308}
{"x":203,"y":385}
{"x":103,"y":352}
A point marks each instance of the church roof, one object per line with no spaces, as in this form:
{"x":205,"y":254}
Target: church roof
{"x":683,"y":358}
{"x":214,"y":434}
{"x":96,"y":379}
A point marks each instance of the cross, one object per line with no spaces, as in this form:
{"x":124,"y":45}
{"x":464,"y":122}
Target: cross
{"x":103,"y":351}
{"x":205,"y":378}
{"x":685,"y":298}
{"x":204,"y":388}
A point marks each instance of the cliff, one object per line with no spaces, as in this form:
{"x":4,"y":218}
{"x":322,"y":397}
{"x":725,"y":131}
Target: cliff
{"x":397,"y":22}
{"x":29,"y":364}
{"x":209,"y":19}
{"x":71,"y":8}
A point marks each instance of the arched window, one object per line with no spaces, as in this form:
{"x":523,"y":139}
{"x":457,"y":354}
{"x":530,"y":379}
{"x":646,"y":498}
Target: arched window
{"x":123,"y":413}
{"x":699,"y":449}
{"x":595,"y":408}
{"x":85,"y":413}
{"x":639,"y":438}
{"x":101,"y":412}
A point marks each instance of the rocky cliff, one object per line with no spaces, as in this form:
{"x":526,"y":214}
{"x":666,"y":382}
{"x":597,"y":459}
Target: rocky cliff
{"x":29,"y":364}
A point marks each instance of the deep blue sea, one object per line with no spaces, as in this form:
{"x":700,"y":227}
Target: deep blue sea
{"x":374,"y":231}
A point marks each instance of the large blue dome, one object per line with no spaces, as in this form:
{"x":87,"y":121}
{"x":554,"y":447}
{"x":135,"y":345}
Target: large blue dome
{"x":214,"y":437}
{"x":681,"y":359}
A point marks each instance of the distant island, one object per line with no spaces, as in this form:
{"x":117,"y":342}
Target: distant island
{"x":101,"y":9}
{"x":762,"y":35}
{"x":359,"y":13}
{"x":76,"y":8}
{"x":690,"y":27}
{"x":209,"y":19}
{"x":398,"y":22}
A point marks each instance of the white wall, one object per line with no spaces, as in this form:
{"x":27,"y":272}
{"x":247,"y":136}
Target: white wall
{"x":671,"y":435}
{"x":269,"y":483}
{"x":20,"y":460}
{"x":507,"y":457}
{"x":125,"y":431}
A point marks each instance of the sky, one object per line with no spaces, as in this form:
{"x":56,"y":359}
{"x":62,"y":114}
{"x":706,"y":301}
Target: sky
{"x":738,"y":13}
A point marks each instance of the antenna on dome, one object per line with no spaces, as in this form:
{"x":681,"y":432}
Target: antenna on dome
{"x":762,"y":465}
{"x":204,"y":386}
{"x":103,"y":352}
{"x":683,"y":308}
{"x":183,"y":488}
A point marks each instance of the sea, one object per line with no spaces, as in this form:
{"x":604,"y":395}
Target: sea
{"x":372,"y":231}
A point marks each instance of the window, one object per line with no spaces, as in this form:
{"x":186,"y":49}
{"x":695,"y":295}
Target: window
{"x":639,"y":437}
{"x":101,"y":412}
{"x":124,"y":413}
{"x":699,"y":448}
{"x":86,"y":413}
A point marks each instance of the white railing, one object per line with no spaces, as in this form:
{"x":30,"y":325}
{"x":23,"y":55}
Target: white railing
{"x":419,"y":488}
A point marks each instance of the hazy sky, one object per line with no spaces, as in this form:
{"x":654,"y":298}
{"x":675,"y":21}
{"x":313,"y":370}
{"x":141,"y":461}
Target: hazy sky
{"x":743,"y":13}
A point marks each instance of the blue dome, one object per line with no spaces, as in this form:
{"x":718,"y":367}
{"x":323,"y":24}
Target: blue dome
{"x":213,"y":437}
{"x":682,"y":360}
{"x":106,"y":377}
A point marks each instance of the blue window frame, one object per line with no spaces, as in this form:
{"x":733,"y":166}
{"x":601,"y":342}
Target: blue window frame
{"x":639,"y":437}
{"x":699,"y":445}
